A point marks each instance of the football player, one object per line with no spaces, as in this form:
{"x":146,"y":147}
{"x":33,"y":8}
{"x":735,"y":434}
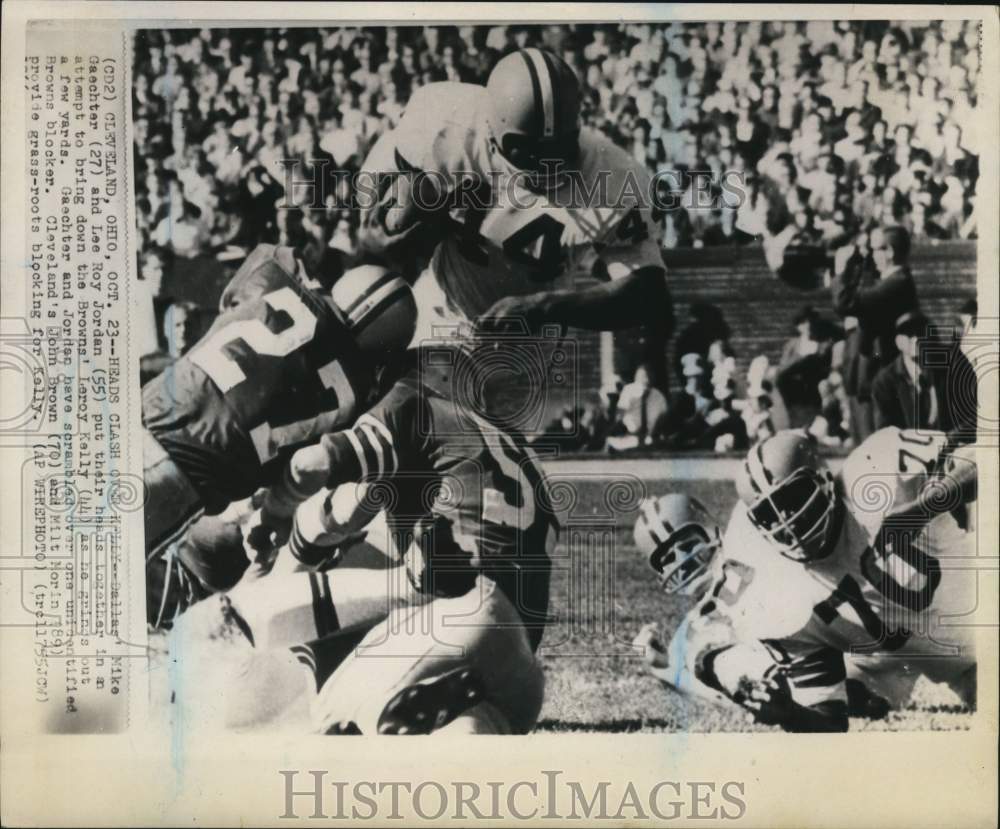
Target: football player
{"x":499,"y":182}
{"x":815,"y":569}
{"x":468,"y":510}
{"x":793,"y":684}
{"x":283,"y":363}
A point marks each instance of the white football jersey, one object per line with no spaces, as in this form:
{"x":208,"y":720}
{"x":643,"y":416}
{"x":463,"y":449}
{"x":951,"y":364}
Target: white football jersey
{"x":874,"y":600}
{"x":595,"y":224}
{"x":871,"y":594}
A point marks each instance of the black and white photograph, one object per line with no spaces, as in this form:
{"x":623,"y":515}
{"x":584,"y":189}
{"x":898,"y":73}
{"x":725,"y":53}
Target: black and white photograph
{"x":631,"y":362}
{"x":603,"y":398}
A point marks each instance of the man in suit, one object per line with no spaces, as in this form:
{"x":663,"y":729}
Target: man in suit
{"x":918,"y":392}
{"x":870,"y":292}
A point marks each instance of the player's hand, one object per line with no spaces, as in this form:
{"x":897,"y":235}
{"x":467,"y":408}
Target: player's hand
{"x":263,"y":536}
{"x":768,"y":698}
{"x":654,"y":653}
{"x":514,"y":315}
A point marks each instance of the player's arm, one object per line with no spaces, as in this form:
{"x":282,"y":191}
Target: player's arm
{"x":804,"y":693}
{"x":401,"y":198}
{"x":673,"y":664}
{"x":622,"y":303}
{"x":633,"y":293}
{"x":703,"y":661}
{"x":367,"y":452}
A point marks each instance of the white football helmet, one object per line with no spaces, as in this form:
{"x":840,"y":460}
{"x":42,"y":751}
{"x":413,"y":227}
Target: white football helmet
{"x":790,"y":495}
{"x":679,"y":538}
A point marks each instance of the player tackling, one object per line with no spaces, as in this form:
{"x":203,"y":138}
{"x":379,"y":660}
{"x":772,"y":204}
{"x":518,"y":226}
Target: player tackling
{"x":284,"y":363}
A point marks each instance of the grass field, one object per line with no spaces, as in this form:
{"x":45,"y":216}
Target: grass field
{"x":594,"y":681}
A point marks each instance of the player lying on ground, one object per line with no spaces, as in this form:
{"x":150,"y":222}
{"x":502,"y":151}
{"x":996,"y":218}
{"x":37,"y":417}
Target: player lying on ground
{"x":284,"y":362}
{"x":468,"y":506}
{"x":530,"y":219}
{"x":798,"y":687}
{"x":815,"y":572}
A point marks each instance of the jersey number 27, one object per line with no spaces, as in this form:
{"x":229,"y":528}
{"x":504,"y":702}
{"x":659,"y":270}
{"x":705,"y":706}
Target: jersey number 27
{"x":224,"y":370}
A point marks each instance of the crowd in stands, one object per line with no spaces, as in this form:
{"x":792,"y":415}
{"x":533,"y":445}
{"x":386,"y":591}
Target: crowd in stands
{"x":833,"y":129}
{"x":924,"y":380}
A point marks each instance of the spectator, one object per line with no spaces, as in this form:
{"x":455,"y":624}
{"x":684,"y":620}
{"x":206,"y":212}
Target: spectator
{"x":805,"y":362}
{"x":968,"y":320}
{"x":179,"y":328}
{"x":176,"y":337}
{"x":706,"y":326}
{"x":183,"y":231}
{"x":727,"y":430}
{"x":150,"y":291}
{"x":870,"y":296}
{"x":767,"y":91}
{"x":641,"y":410}
{"x":686,"y":424}
{"x":757,"y":408}
{"x":830,"y":426}
{"x":911,"y":392}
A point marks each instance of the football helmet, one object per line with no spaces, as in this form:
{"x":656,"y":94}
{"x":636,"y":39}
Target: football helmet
{"x":679,"y":538}
{"x":790,"y":495}
{"x":378,"y":307}
{"x":534,"y":110}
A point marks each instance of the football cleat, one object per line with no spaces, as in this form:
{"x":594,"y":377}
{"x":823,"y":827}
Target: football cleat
{"x":378,"y":307}
{"x":679,"y":538}
{"x":431,"y":704}
{"x":790,"y":495}
{"x":534,"y":112}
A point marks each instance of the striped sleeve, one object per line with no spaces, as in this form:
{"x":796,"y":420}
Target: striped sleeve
{"x":379,"y":443}
{"x":366,"y":451}
{"x":817,"y":677}
{"x":374,"y":446}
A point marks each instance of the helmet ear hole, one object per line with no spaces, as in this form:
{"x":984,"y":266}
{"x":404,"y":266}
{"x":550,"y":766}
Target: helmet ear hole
{"x":661,"y":558}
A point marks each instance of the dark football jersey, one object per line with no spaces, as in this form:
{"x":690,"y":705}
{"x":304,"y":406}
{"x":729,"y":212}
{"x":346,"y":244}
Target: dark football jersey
{"x":425,"y":457}
{"x":277,"y":369}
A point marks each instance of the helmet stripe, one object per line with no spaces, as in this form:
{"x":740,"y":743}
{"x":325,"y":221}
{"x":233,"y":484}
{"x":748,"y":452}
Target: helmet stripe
{"x":546,"y":87}
{"x":365,"y":307}
{"x":756,"y":471}
{"x":655,"y":525}
{"x":536,"y":86}
{"x":377,"y":311}
{"x":553,"y":71}
{"x":760,"y":454}
{"x":388,"y":276}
